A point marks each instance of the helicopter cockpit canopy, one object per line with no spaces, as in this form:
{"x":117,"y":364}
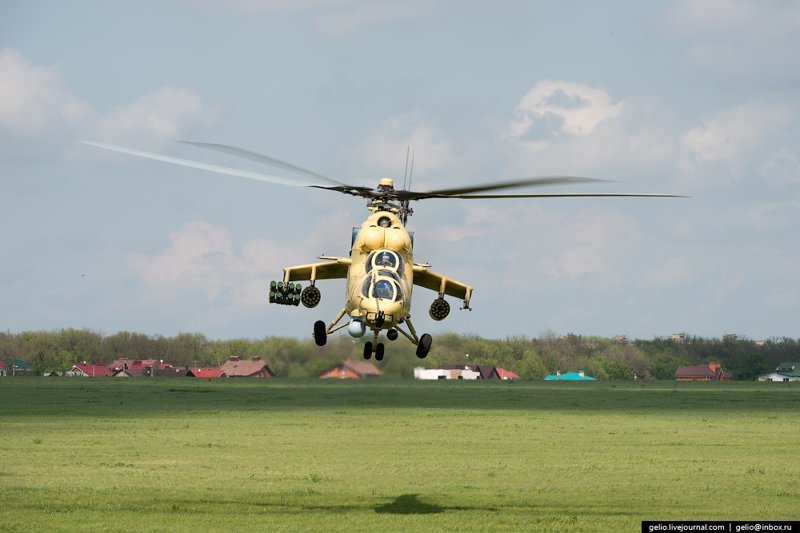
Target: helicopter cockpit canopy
{"x":382,"y":287}
{"x":384,"y":259}
{"x":382,"y":279}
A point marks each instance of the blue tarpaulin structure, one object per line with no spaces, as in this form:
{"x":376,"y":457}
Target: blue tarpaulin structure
{"x":569,"y":376}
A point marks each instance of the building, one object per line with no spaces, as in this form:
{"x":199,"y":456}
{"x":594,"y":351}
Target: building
{"x":208,"y":373}
{"x":351,"y":369}
{"x":706,"y":372}
{"x":120,"y":364}
{"x":580,"y":375}
{"x":17,"y":367}
{"x":785,"y":372}
{"x":2,"y":368}
{"x":84,"y":370}
{"x":252,"y":368}
{"x":484,"y":371}
{"x":177,"y":373}
{"x":506,"y":374}
{"x":139,"y":367}
{"x":445,"y":373}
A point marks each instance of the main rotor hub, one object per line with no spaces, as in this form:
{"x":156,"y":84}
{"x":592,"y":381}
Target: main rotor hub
{"x":386,"y":183}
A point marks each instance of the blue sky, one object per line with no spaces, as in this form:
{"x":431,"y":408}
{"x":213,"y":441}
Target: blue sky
{"x":697,"y":97}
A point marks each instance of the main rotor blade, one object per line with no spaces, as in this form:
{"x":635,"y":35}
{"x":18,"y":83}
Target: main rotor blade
{"x":206,"y":166}
{"x":561,"y":195}
{"x":525,"y":182}
{"x":261,"y":158}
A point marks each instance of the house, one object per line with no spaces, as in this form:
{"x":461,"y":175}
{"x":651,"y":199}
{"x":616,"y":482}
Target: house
{"x":253,"y":368}
{"x":84,"y":370}
{"x":177,"y":373}
{"x":119,"y":364}
{"x":706,"y":372}
{"x":484,"y":371}
{"x":2,"y":368}
{"x":580,"y":375}
{"x":785,"y":372}
{"x":446,"y":373}
{"x":208,"y":373}
{"x":351,"y":369}
{"x":17,"y":367}
{"x":139,"y":367}
{"x":506,"y":374}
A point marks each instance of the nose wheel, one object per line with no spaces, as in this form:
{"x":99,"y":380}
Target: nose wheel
{"x":372,"y":348}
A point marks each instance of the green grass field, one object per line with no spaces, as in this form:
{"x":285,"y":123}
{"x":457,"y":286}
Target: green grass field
{"x":153,"y":455}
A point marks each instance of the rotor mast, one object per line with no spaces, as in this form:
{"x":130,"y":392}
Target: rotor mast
{"x":386,"y":199}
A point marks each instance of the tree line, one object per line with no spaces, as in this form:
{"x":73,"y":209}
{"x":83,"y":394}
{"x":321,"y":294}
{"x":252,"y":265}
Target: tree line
{"x":531,"y":358}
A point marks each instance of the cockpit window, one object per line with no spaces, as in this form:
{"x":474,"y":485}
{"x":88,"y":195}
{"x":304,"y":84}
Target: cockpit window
{"x":383,"y":289}
{"x":384,"y":260}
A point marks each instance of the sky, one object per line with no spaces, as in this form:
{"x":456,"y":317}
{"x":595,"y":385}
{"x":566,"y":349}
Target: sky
{"x":696,"y":97}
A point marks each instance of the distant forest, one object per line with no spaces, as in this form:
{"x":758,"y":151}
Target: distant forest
{"x":531,"y":358}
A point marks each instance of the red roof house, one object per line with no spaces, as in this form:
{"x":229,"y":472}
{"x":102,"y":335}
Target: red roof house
{"x":120,"y":364}
{"x":706,"y":372}
{"x":506,"y":374}
{"x":208,"y":373}
{"x":351,"y":369}
{"x":253,"y":368}
{"x":89,"y":371}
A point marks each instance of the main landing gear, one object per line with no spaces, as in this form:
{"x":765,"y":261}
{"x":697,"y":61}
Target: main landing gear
{"x":320,"y":333}
{"x":424,"y":345}
{"x":423,"y":342}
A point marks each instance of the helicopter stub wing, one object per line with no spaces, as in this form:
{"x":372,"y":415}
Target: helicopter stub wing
{"x":336,"y":268}
{"x":423,"y":277}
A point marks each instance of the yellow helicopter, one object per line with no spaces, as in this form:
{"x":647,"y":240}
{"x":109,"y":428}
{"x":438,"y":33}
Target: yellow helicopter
{"x":380,"y":270}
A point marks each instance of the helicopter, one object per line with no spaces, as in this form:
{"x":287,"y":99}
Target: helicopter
{"x":380,"y":271}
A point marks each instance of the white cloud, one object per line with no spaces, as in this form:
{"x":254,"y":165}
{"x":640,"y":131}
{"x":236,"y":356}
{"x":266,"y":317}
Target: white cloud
{"x":384,"y":149}
{"x":673,"y":272}
{"x":553,"y":108}
{"x":593,"y":244}
{"x":783,"y":167}
{"x":733,"y":134}
{"x":749,"y":39}
{"x":202,"y":258}
{"x":34,"y":99}
{"x":159,"y":115}
{"x":35,"y":103}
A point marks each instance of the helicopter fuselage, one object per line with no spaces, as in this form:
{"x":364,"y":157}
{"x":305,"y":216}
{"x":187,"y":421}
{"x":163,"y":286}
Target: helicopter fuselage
{"x":381,"y":274}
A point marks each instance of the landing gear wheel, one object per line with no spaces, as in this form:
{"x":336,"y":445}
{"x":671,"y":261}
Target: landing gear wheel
{"x":367,"y":350}
{"x":424,"y":345}
{"x":379,"y":352}
{"x":391,"y":334}
{"x":320,"y":333}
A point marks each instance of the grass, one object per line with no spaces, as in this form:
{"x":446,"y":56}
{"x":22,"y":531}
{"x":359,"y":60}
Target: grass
{"x":189,"y":455}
